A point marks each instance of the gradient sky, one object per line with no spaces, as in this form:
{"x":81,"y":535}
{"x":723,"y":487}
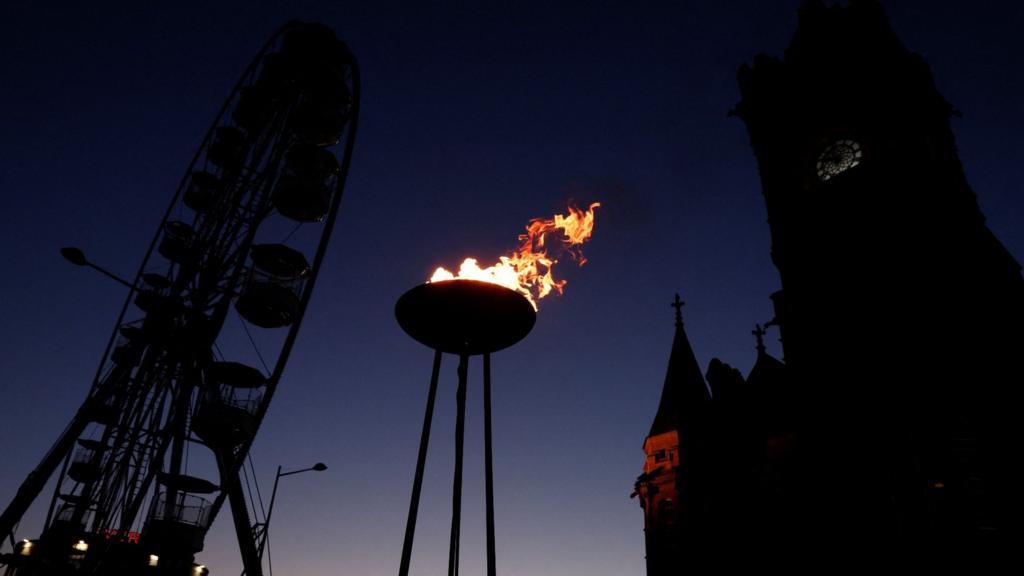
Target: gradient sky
{"x":476,"y":117}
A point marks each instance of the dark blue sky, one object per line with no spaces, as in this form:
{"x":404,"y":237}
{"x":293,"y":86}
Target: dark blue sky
{"x":476,"y":117}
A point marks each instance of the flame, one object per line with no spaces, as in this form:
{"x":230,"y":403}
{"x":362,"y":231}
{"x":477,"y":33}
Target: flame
{"x":528,"y":269}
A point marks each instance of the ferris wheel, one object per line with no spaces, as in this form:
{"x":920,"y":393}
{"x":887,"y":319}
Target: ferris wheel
{"x":231,"y":268}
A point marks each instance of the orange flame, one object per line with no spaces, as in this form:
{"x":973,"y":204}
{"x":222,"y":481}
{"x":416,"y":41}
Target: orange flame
{"x":528,"y":269}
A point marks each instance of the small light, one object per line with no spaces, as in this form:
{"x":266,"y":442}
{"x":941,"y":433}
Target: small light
{"x":154,"y":560}
{"x":939,"y":485}
{"x":81,"y":546}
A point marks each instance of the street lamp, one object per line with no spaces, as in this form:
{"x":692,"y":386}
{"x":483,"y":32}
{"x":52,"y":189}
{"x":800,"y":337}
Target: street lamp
{"x":77,"y":257}
{"x":261,"y":529}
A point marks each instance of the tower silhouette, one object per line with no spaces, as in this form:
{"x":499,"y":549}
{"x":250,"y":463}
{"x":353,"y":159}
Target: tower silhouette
{"x":892,"y":420}
{"x":899,"y":308}
{"x":666,"y":489}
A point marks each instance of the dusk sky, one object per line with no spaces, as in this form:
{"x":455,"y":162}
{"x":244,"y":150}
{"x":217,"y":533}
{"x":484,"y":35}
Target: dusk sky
{"x":476,"y":117}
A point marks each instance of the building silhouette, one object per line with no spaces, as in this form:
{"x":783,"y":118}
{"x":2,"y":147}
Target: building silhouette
{"x":892,"y":423}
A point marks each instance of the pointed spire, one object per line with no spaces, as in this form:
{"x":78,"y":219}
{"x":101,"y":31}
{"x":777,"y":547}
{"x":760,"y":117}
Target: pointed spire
{"x":759,"y":333}
{"x":684,"y":390}
{"x":678,"y":305}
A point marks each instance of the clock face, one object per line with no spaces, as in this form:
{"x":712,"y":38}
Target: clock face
{"x":837,"y":158}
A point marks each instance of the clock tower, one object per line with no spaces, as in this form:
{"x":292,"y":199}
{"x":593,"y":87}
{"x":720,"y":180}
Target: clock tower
{"x":900,"y":312}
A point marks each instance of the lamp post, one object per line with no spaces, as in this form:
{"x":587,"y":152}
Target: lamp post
{"x":77,"y":257}
{"x":260,"y":529}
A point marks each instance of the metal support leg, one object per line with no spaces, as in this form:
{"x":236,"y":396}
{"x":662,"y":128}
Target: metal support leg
{"x":489,"y":467}
{"x":243,"y":528}
{"x":460,"y":435}
{"x":417,"y":483}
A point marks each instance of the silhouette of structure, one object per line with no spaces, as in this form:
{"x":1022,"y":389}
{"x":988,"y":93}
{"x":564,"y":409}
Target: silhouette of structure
{"x":891,"y":421}
{"x":664,"y":483}
{"x":468,"y":318}
{"x":125,"y":502}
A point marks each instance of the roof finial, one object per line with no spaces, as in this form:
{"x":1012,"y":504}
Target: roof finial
{"x":759,"y":333}
{"x":678,"y":305}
